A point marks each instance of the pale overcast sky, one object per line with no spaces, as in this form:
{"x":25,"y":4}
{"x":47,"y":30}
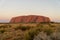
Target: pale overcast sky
{"x":12,"y":8}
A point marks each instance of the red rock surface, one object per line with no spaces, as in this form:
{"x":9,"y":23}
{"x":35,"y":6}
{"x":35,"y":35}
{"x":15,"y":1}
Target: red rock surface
{"x":30,"y":18}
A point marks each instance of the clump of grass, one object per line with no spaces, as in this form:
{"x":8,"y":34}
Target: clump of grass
{"x":23,"y":28}
{"x":5,"y":26}
{"x":55,"y":36}
{"x":41,"y":36}
{"x":48,"y":31}
{"x":2,"y":30}
{"x":31,"y":33}
{"x":51,"y":25}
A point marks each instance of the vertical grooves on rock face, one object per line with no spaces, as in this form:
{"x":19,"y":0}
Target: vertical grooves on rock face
{"x":30,"y":19}
{"x":22,"y":19}
{"x":36,"y":19}
{"x":44,"y":19}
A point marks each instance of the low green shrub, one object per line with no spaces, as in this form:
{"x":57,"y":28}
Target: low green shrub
{"x":2,"y":30}
{"x":23,"y":28}
{"x":48,"y":31}
{"x":31,"y":33}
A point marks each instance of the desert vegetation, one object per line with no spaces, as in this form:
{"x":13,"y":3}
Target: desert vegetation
{"x":30,"y":31}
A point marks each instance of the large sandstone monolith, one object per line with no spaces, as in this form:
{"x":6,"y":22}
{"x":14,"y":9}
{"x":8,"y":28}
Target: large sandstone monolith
{"x":29,"y":19}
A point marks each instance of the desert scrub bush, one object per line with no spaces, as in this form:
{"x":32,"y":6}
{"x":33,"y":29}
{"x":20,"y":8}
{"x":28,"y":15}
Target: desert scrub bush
{"x":6,"y":36}
{"x":31,"y":33}
{"x":19,"y":35}
{"x":5,"y":26}
{"x":39,"y":25}
{"x":14,"y":35}
{"x":57,"y":28}
{"x":55,"y":36}
{"x":48,"y":31}
{"x":23,"y":28}
{"x":2,"y":30}
{"x":9,"y":29}
{"x":51,"y":25}
{"x":42,"y":36}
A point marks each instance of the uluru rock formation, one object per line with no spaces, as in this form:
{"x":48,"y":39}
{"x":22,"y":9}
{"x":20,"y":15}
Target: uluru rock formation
{"x":29,"y":19}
